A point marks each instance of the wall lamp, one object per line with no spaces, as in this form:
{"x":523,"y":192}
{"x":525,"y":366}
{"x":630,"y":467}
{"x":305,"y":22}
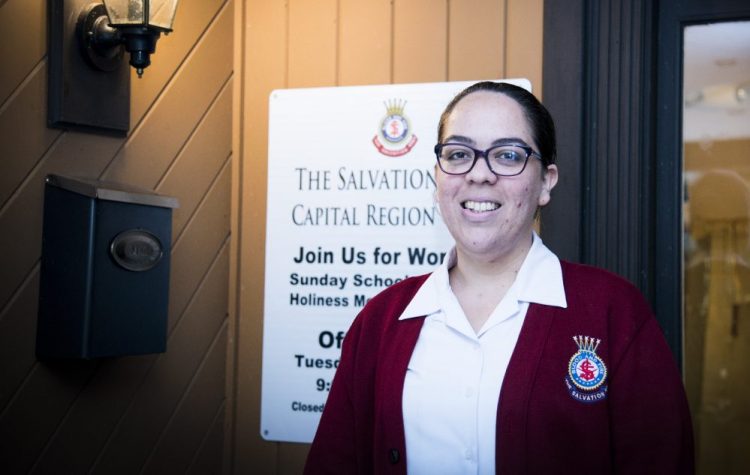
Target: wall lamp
{"x":88,"y":77}
{"x":721,"y":96}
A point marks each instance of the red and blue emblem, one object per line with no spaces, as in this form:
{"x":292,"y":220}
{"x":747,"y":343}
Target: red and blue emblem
{"x":587,"y":373}
{"x":395,"y":136}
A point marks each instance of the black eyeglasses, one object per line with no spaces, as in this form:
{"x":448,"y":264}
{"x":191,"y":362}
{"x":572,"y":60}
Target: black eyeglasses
{"x":502,"y":160}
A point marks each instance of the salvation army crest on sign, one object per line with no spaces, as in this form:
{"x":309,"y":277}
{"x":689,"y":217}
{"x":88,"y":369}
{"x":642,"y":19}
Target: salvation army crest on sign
{"x":395,"y":136}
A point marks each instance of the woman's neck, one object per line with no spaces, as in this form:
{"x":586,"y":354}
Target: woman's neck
{"x":474,"y":269}
{"x":480,"y":283}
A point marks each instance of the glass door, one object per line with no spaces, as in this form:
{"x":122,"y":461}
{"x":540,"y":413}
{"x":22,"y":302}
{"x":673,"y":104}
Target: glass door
{"x":716,"y":244}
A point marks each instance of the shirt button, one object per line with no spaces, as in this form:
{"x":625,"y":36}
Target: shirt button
{"x":469,"y":391}
{"x":468,"y":454}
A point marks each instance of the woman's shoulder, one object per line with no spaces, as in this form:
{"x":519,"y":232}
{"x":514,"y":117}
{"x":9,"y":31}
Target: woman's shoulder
{"x":380,"y":314}
{"x":583,"y":276}
{"x":407,"y":286}
{"x":397,"y":296}
{"x":601,"y":291}
{"x":603,"y":303}
{"x":393,"y":299}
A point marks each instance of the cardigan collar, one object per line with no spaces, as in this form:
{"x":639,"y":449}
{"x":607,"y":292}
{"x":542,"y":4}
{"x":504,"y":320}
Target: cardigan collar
{"x":539,"y":281}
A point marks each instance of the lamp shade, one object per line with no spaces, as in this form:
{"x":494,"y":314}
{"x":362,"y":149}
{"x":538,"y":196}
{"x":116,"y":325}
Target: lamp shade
{"x":155,"y":13}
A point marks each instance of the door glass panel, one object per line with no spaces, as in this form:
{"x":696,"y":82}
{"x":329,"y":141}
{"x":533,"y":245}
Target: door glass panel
{"x":716,"y":180}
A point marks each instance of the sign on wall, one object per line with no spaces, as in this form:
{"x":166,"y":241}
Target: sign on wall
{"x":351,"y":179}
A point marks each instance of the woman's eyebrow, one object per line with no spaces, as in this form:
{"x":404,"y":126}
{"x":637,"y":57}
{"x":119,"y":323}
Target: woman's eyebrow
{"x":459,"y":138}
{"x":509,"y":140}
{"x":495,"y":143}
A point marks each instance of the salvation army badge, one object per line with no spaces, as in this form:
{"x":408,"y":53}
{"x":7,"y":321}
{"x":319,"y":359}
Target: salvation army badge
{"x":395,"y":136}
{"x":587,"y":373}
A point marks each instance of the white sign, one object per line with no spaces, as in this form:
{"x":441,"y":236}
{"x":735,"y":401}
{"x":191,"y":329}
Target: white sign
{"x":351,"y":179}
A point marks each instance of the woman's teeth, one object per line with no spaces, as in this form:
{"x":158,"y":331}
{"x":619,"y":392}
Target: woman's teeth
{"x":481,"y":206}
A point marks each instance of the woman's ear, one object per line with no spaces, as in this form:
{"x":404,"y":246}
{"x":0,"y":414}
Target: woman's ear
{"x":549,"y":180}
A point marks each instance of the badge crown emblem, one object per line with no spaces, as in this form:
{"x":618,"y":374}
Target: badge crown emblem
{"x":586,"y":343}
{"x":395,"y":136}
{"x":395,"y":106}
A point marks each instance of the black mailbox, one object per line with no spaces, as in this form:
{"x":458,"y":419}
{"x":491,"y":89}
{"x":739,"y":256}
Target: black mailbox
{"x":104,"y":281}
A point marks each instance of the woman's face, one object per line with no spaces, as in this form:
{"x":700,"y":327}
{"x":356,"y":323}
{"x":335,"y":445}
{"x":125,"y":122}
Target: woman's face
{"x":491,"y":216}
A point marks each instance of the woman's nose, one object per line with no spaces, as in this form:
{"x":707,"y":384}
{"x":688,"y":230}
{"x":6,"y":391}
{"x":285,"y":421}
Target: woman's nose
{"x":481,"y":172}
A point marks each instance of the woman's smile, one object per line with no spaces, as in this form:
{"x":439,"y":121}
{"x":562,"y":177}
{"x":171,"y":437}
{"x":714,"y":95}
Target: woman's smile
{"x":480,"y":206}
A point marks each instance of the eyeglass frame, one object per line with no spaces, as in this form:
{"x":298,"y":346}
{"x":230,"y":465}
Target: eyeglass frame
{"x":485,"y":154}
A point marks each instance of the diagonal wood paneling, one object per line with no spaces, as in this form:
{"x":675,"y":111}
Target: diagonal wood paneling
{"x":191,"y":21}
{"x":183,"y":436}
{"x":29,"y":223}
{"x":23,"y":24}
{"x":197,"y":164}
{"x":117,"y":414}
{"x":76,"y":154}
{"x":80,"y":437}
{"x":24,"y":135}
{"x":114,"y":391}
{"x":35,"y":413}
{"x":191,"y":252}
{"x":211,"y":448}
{"x":21,"y":217}
{"x":162,"y":133}
{"x":110,"y":396}
{"x":189,"y":179}
{"x":17,"y":334}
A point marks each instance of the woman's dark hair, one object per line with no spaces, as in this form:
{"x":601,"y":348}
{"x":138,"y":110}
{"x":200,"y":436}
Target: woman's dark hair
{"x":540,"y":120}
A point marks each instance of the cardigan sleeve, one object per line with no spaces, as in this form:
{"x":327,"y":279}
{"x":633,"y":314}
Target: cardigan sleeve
{"x":334,"y":448}
{"x":650,"y":420}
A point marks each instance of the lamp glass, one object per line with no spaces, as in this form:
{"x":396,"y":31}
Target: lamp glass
{"x":162,"y":13}
{"x":126,"y":12}
{"x":133,"y":12}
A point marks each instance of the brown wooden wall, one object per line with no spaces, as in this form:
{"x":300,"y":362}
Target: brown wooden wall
{"x":197,"y":406}
{"x":305,"y":43}
{"x":160,"y":413}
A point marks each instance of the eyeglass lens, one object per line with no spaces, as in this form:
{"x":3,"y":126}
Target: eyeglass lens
{"x":503,"y":160}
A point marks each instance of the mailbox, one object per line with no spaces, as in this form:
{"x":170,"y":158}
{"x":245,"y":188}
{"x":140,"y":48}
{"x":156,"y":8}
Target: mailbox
{"x":104,"y":281}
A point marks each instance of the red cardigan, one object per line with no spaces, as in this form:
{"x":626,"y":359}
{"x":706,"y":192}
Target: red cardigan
{"x":641,"y":426}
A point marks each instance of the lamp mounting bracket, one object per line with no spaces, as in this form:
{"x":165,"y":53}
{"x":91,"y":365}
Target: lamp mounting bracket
{"x":101,"y":44}
{"x":81,"y":96}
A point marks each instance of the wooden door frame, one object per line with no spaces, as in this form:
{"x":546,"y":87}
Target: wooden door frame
{"x":612,"y":77}
{"x":597,"y":75}
{"x":674,"y":16}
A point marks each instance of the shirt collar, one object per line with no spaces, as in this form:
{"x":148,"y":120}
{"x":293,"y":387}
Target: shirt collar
{"x":539,"y":281}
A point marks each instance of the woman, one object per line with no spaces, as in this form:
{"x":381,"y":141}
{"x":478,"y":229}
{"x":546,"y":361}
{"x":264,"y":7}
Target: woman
{"x":504,"y":359}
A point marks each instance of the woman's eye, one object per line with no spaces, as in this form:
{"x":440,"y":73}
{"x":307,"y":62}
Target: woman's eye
{"x":458,"y":155}
{"x":507,"y":156}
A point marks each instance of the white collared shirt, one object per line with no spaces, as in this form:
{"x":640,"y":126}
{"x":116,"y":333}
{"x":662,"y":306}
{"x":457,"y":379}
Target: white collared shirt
{"x":454,"y":376}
